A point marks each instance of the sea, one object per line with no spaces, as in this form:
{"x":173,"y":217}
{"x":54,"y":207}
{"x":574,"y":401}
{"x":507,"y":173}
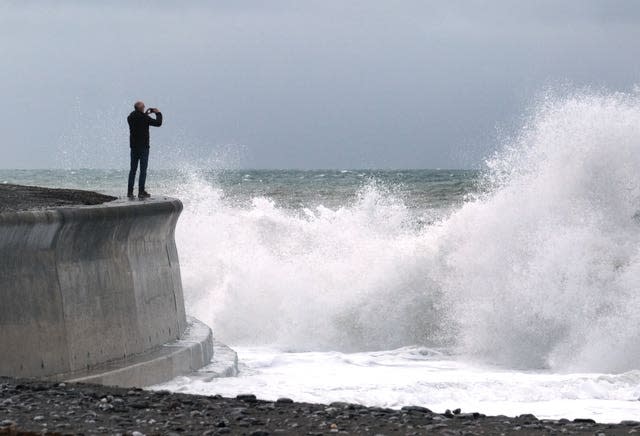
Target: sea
{"x":512,"y":288}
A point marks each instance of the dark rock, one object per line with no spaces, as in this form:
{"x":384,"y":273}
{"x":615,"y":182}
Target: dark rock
{"x":238,"y":411}
{"x":532,"y":426}
{"x":381,"y":410}
{"x":630,"y":423}
{"x":584,"y":421}
{"x":249,"y":398}
{"x":418,"y":409}
{"x":284,"y":400}
{"x":474,"y":415}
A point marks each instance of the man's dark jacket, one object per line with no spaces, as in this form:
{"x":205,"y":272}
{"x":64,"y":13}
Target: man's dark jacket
{"x":139,"y":123}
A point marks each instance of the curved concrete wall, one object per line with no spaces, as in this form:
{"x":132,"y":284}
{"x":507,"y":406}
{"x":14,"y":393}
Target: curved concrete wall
{"x":81,"y":286}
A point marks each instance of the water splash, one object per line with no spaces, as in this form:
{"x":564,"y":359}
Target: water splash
{"x":542,"y":270}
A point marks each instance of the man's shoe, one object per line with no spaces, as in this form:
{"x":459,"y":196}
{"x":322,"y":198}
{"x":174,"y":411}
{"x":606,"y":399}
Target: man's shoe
{"x":144,"y":194}
{"x":130,"y":196}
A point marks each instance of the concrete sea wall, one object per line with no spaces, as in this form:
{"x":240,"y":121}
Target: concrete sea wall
{"x":82,"y":287}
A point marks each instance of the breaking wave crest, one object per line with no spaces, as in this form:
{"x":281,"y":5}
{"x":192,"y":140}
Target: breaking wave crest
{"x":540,"y":270}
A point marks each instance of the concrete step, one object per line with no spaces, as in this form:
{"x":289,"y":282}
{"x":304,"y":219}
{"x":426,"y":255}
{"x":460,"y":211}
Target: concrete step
{"x":191,"y":352}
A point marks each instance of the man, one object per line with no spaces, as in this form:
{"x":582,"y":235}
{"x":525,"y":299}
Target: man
{"x":139,"y":122}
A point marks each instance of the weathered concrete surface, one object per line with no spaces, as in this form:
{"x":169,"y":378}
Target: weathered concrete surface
{"x":85,"y":285}
{"x":17,"y":197}
{"x":225,"y":363}
{"x":191,"y":352}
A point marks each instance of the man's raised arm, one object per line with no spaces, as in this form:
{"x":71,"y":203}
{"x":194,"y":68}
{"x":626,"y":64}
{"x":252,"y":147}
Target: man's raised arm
{"x":157,"y":122}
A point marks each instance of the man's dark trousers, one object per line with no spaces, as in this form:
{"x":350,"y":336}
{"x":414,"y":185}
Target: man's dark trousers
{"x":138,"y":155}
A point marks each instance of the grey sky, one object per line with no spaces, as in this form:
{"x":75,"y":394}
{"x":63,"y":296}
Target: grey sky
{"x":295,"y":84}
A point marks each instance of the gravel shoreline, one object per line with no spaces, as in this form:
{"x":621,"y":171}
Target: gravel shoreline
{"x":39,"y":407}
{"x":17,"y":197}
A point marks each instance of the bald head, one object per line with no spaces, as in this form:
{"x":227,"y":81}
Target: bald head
{"x":139,"y":106}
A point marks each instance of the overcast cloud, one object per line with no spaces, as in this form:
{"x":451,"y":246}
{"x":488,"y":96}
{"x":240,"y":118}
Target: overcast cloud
{"x":295,"y":84}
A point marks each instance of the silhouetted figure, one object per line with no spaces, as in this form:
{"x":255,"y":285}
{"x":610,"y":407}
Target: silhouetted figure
{"x":139,"y":122}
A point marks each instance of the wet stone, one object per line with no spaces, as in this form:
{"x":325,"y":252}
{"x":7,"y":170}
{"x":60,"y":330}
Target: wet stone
{"x":630,"y":423}
{"x":417,"y":409}
{"x":187,"y":414}
{"x":527,"y":418}
{"x":584,"y":421}
{"x":467,"y":416}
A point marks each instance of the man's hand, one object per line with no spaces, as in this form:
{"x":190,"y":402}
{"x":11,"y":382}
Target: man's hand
{"x":154,"y":110}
